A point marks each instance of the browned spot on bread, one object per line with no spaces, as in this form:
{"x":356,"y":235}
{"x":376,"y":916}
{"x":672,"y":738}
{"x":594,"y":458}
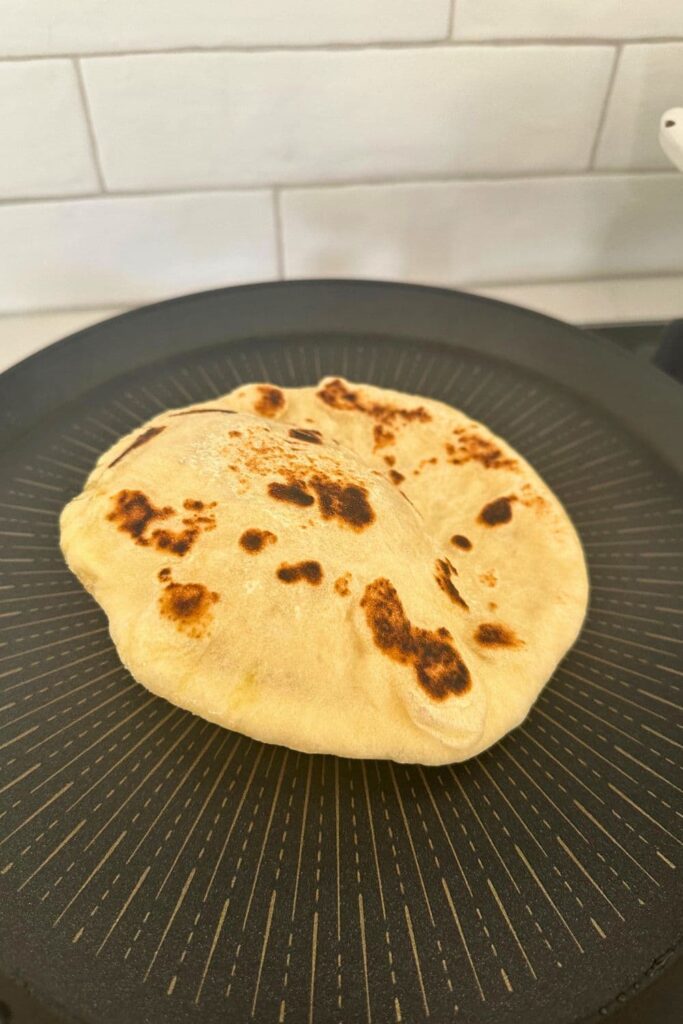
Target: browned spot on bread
{"x":134,"y":513}
{"x":390,"y":460}
{"x":471,"y":447}
{"x":141,"y":439}
{"x":461,"y":542}
{"x":164,"y":574}
{"x":438,"y":666}
{"x":188,"y":605}
{"x":176,"y":543}
{"x":492,"y":606}
{"x":531,"y":499}
{"x":497,"y":512}
{"x":180,"y":542}
{"x":295,"y":493}
{"x":383,"y":437}
{"x":396,"y":477}
{"x":444,"y":572}
{"x":312,"y":436}
{"x":255,"y":540}
{"x":488,"y":578}
{"x":346,"y":502}
{"x":341,"y":585}
{"x":309,"y":571}
{"x":425,"y":462}
{"x":234,"y":433}
{"x":194,"y":412}
{"x":270,"y":401}
{"x":495,"y":634}
{"x":338,"y":396}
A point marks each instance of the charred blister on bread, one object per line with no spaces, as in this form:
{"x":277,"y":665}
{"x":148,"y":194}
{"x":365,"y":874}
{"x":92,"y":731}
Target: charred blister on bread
{"x":254,"y":540}
{"x":470,"y":446}
{"x":432,"y":461}
{"x":134,"y":514}
{"x":308,"y":571}
{"x":341,"y":585}
{"x":443,"y":573}
{"x":337,"y":394}
{"x":438,"y":666}
{"x":270,"y":401}
{"x":187,"y":605}
{"x":495,"y":634}
{"x":293,"y":493}
{"x":382,"y":436}
{"x":348,"y":503}
{"x":461,"y":541}
{"x":497,"y":512}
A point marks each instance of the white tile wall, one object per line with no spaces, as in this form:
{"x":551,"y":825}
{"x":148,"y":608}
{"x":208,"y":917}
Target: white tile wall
{"x":109,"y":251}
{"x":568,"y":19}
{"x":44,"y":147}
{"x":471,"y":232}
{"x":173,"y":121}
{"x":649,"y":80}
{"x":146,"y":145}
{"x":93,"y":26}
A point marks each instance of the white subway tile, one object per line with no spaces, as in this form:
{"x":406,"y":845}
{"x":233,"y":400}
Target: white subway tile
{"x":44,"y":146}
{"x":461,"y":233}
{"x":124,"y":251}
{"x":649,"y":80}
{"x":567,"y":19}
{"x":93,"y":26}
{"x":183,"y":120}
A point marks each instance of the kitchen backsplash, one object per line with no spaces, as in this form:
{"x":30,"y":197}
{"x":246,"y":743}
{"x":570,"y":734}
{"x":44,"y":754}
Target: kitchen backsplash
{"x":152,"y":147}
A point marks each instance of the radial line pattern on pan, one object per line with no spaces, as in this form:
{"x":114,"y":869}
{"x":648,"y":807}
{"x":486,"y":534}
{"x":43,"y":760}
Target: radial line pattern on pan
{"x":212,"y":867}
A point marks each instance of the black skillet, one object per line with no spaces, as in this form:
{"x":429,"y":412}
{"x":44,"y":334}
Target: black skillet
{"x":154,"y":868}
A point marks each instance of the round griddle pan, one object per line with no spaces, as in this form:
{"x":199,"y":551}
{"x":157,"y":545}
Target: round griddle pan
{"x":155,"y":868}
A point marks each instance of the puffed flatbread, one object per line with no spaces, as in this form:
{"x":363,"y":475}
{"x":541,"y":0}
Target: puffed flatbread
{"x":340,"y":569}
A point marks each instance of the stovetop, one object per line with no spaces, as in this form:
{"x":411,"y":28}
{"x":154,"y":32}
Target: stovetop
{"x":640,"y":338}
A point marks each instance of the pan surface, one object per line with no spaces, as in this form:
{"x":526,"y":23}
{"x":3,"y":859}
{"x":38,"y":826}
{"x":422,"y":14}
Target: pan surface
{"x":156,"y":868}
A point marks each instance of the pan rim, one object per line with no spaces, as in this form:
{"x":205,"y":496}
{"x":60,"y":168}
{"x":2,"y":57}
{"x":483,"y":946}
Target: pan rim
{"x":642,"y":398}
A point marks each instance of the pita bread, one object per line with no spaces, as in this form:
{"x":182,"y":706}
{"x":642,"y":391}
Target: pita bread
{"x":341,"y":569}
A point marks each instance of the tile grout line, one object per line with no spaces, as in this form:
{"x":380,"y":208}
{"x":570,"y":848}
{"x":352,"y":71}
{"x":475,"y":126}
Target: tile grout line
{"x":451,"y":20}
{"x":279,"y":232}
{"x":113,"y":308}
{"x":340,"y":47}
{"x":87,"y":113}
{"x":475,"y":178}
{"x":605,"y":107}
{"x":593,"y":279}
